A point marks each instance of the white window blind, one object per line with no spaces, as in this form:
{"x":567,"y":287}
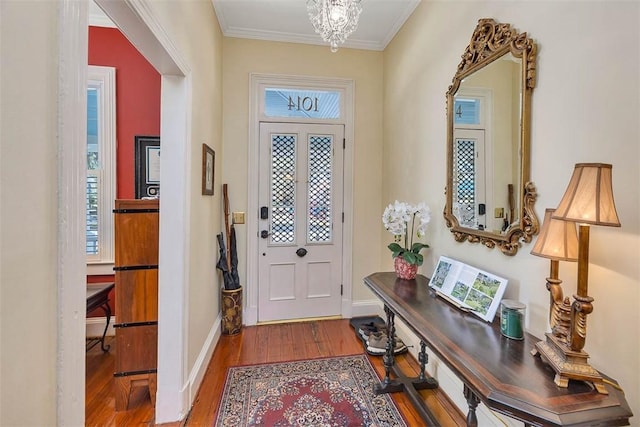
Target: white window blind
{"x":101,"y":171}
{"x":93,"y":217}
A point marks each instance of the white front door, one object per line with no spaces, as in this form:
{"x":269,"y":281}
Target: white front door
{"x":300,"y":199}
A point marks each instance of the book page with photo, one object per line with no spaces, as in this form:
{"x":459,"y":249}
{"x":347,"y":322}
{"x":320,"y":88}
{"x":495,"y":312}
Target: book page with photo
{"x":469,"y":288}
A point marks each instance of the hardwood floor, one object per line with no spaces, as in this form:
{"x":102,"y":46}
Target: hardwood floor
{"x":255,"y":344}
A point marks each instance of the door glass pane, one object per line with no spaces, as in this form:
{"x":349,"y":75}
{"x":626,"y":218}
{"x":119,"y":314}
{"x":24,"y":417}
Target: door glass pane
{"x":319,"y":189}
{"x":464,"y":187}
{"x":283,"y":189}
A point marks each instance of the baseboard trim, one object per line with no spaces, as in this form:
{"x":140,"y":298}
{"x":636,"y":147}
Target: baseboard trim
{"x":202,"y":362}
{"x":95,"y":326}
{"x":367,"y":308}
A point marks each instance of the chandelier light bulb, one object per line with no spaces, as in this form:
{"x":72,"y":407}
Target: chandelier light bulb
{"x":338,"y":18}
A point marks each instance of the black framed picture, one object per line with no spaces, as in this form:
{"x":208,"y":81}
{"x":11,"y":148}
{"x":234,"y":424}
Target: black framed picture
{"x":208,"y":169}
{"x":147,"y":164}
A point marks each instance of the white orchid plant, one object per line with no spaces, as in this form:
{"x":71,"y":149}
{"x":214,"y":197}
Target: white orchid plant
{"x":405,"y":221}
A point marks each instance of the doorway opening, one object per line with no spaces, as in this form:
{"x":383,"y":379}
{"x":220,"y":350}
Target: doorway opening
{"x":134,"y":20}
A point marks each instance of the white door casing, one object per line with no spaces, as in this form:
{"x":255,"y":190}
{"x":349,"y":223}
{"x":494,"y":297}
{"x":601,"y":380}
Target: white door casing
{"x":258,"y":83}
{"x":300,"y":198}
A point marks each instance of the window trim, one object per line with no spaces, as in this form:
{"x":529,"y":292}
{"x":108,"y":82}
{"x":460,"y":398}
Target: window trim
{"x":103,"y":79}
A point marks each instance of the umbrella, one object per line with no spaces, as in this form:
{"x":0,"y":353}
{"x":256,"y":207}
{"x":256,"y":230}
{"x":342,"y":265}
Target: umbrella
{"x":222,"y":264}
{"x":235,"y":278}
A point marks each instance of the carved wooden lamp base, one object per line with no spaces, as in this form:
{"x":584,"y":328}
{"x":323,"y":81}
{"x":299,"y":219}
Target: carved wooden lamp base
{"x":568,"y":364}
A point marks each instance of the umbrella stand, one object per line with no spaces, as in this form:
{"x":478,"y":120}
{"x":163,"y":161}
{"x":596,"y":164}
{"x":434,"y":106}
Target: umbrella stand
{"x":228,"y":263}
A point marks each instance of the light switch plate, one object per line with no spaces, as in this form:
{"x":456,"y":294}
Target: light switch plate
{"x":238,"y":217}
{"x":498,"y":213}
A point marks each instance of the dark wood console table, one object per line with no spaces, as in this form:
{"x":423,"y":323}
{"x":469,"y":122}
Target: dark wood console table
{"x":495,"y":370}
{"x":98,"y":297}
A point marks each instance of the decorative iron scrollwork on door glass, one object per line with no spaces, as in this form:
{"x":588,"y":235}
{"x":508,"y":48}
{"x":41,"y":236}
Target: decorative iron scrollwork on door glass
{"x":319,"y":189}
{"x":465,"y":182}
{"x":283,"y":188}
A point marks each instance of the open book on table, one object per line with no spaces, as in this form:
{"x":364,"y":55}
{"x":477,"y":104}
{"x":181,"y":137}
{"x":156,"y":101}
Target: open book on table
{"x":468,"y":288}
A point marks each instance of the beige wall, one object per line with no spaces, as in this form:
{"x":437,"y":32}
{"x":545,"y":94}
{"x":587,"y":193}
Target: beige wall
{"x":28,"y":213}
{"x":197,"y":36}
{"x":585,"y":109}
{"x":242,"y":57}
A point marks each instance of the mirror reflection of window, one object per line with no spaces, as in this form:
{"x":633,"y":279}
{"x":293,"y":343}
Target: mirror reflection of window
{"x":467,"y":111}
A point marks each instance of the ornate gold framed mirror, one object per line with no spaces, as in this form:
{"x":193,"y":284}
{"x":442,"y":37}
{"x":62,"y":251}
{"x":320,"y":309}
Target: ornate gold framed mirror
{"x":489,"y":195}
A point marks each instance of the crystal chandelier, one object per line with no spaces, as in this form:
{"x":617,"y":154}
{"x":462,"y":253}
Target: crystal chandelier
{"x":334,"y":20}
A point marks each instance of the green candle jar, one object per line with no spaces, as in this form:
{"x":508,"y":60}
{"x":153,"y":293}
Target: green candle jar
{"x":512,"y":319}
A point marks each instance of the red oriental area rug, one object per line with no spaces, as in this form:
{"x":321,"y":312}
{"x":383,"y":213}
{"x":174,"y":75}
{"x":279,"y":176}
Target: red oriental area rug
{"x":331,"y":392}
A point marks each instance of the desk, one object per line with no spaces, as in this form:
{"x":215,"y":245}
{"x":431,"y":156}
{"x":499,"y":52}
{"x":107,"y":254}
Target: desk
{"x":495,"y":370}
{"x":98,"y":297}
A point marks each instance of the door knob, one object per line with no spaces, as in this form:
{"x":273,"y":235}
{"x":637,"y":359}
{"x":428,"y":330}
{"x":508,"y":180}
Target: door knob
{"x":264,"y":234}
{"x":301,"y":252}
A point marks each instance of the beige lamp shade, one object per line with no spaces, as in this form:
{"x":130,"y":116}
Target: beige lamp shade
{"x":589,"y":196}
{"x":558,"y":239}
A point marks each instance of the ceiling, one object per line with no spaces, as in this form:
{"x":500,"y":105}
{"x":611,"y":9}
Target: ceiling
{"x":287,"y":21}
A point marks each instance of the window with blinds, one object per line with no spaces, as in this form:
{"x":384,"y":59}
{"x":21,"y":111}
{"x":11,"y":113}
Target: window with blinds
{"x":92,"y":214}
{"x":101,"y":175}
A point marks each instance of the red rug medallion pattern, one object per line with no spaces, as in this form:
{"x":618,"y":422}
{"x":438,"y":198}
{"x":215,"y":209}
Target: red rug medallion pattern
{"x":328,"y":392}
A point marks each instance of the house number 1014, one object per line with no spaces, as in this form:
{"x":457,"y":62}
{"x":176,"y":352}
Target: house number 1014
{"x":303,"y":104}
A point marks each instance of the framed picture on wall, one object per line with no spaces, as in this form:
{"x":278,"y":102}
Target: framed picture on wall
{"x":208,"y":169}
{"x":147,"y":174}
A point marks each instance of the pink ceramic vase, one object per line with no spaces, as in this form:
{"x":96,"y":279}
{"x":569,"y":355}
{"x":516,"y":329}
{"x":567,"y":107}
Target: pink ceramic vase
{"x":404,"y":270}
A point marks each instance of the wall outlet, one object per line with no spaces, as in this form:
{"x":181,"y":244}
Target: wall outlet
{"x":238,"y":217}
{"x":498,"y":213}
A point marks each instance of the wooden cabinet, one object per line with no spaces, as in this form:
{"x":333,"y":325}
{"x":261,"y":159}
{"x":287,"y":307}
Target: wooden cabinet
{"x":136,"y":225}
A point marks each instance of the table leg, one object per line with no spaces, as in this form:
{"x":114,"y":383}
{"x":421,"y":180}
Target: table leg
{"x":422,"y":382}
{"x":387,"y":385}
{"x":107,"y":311}
{"x":472,"y":401}
{"x":403,"y":383}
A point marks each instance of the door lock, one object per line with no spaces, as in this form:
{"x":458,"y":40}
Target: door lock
{"x":301,"y":252}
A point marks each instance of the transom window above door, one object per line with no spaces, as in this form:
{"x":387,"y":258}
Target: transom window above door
{"x":302,"y":103}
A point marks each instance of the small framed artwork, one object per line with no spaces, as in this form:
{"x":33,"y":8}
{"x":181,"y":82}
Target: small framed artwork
{"x":208,"y":169}
{"x":147,"y":174}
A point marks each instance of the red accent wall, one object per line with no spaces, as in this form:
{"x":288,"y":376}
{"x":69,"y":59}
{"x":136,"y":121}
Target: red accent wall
{"x":137,"y":109}
{"x":137,"y":98}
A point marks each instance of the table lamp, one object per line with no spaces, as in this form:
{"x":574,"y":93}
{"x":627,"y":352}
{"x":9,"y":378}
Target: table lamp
{"x":588,"y":200}
{"x":558,"y":241}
